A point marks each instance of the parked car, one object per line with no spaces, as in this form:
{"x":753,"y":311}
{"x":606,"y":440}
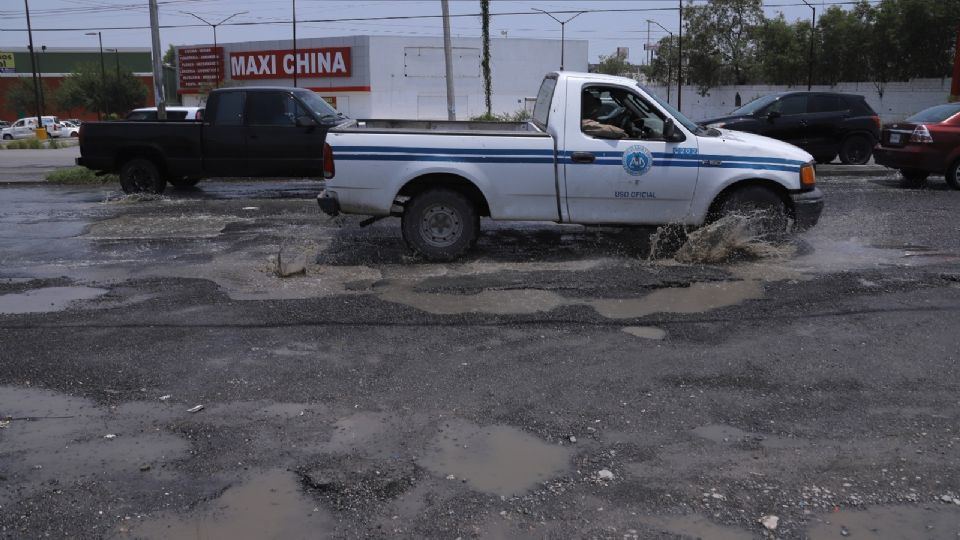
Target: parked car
{"x":176,"y":114}
{"x":246,"y":132}
{"x":24,"y":128}
{"x":823,"y":123}
{"x":927,"y":142}
{"x":646,"y":165}
{"x":69,"y":129}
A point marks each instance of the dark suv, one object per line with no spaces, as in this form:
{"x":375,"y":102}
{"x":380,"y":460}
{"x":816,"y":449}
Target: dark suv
{"x":822,"y":123}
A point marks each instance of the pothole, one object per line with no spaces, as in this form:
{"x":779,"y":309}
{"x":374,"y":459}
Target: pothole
{"x":47,"y":299}
{"x":153,"y":227}
{"x":500,"y":460}
{"x":883,"y":522}
{"x":268,"y":505}
{"x":646,"y":332}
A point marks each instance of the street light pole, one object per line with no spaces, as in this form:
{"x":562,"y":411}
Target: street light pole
{"x":669,"y":65}
{"x":214,"y":26}
{"x":680,"y":60}
{"x":43,"y":100}
{"x":813,"y":29}
{"x":294,"y":5}
{"x":117,"y":56}
{"x":103,"y":73}
{"x":563,"y":25}
{"x":33,"y":66}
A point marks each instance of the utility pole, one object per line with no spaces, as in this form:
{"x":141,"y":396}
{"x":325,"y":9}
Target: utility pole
{"x":103,"y":73}
{"x":33,"y":68}
{"x":669,"y":65}
{"x":117,"y":56}
{"x":680,"y":60}
{"x":649,"y":51}
{"x":158,"y":90}
{"x":43,"y":99}
{"x":563,"y":25}
{"x":219,"y":75}
{"x":813,"y":29}
{"x":448,"y":61}
{"x":294,"y":43}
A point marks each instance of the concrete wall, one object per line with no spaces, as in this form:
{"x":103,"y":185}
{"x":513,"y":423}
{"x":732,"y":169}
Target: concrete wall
{"x":900,"y":99}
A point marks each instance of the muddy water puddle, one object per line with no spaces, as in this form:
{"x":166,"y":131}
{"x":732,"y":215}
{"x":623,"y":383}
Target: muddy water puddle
{"x":500,"y":460}
{"x":150,"y":227}
{"x":889,"y":523}
{"x":695,"y":526}
{"x":646,"y":332}
{"x":53,"y":436}
{"x":47,"y":299}
{"x":267,"y":505}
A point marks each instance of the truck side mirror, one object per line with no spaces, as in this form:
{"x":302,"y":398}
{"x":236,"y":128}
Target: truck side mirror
{"x":306,"y":121}
{"x":670,"y":132}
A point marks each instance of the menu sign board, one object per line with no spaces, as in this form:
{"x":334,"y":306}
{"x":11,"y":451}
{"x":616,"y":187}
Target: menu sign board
{"x":199,"y":67}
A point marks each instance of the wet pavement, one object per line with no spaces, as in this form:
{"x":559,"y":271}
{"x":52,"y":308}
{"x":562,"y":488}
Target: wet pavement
{"x":558,"y":382}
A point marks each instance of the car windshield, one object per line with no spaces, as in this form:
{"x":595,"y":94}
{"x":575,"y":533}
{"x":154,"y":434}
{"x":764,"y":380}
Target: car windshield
{"x":319,"y":106}
{"x":938,"y":113}
{"x":754,"y":106}
{"x":677,"y":115}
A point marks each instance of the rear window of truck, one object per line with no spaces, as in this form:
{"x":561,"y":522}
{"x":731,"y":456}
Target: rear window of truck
{"x":541,"y":110}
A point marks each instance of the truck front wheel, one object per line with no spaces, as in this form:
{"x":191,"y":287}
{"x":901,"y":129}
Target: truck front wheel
{"x":764,"y":210}
{"x":440,"y":224}
{"x":140,"y":175}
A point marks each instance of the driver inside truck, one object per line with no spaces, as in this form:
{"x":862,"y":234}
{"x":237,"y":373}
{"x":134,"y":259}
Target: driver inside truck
{"x":590,"y":110}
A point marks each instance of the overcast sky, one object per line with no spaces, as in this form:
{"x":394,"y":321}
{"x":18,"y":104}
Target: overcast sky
{"x":604,"y":31}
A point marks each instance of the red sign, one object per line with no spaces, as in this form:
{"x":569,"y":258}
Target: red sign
{"x":308,"y":63}
{"x":199,"y":67}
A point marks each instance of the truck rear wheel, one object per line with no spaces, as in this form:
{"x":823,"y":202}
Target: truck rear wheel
{"x":140,"y":175}
{"x":765,"y":210}
{"x":440,"y":224}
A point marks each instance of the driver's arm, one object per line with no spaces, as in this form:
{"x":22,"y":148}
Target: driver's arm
{"x":601,"y":131}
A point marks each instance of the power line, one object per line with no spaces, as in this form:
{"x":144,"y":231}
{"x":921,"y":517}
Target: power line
{"x":393,"y":17}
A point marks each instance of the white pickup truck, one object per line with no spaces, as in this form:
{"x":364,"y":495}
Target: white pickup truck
{"x":654,"y":166}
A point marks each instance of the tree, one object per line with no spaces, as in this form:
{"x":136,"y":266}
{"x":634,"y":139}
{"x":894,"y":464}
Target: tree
{"x":663,"y":69}
{"x":614,"y":64}
{"x":844,"y":38}
{"x":485,"y":58}
{"x":782,"y":51}
{"x":87,"y":89}
{"x":721,"y":49}
{"x":23,"y":99}
{"x":170,"y":57}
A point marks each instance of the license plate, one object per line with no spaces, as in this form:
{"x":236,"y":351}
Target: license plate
{"x":895,"y":138}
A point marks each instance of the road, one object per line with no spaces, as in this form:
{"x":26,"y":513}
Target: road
{"x":556,"y":383}
{"x":18,"y":166}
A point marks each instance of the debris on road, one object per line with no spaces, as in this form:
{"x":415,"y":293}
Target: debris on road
{"x":165,"y":397}
{"x":195,"y":409}
{"x":605,"y":474}
{"x":770,"y":522}
{"x":110,"y":436}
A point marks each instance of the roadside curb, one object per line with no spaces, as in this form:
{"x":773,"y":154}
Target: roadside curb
{"x":865,"y":171}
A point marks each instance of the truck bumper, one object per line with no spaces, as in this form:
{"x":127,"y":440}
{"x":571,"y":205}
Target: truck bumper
{"x":328,"y":202}
{"x":807,"y":207}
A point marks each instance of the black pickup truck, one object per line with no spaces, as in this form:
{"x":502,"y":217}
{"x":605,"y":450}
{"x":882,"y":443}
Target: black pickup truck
{"x":245,"y":132}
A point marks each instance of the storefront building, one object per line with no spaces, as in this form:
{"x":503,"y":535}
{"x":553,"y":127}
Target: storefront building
{"x":381,"y":76}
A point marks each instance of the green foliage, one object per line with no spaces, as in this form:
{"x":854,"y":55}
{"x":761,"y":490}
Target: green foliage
{"x":170,"y":57}
{"x":731,"y":42}
{"x":614,"y":65}
{"x":485,"y":57}
{"x":663,"y":68}
{"x":91,"y":90}
{"x":78,"y":175}
{"x":22,"y":98}
{"x":517,"y":116}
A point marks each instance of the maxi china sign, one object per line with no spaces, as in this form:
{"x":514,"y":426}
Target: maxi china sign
{"x":307,"y":63}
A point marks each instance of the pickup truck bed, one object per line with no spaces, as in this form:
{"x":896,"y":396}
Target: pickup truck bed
{"x":443,"y":126}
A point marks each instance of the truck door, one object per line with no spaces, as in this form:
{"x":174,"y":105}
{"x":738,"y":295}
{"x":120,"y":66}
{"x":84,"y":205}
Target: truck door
{"x":224,"y":139}
{"x":637,"y":178}
{"x":275,"y":144}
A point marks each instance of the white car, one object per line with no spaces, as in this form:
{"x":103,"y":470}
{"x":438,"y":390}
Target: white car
{"x":24,"y":128}
{"x":69,"y":129}
{"x":176,"y":114}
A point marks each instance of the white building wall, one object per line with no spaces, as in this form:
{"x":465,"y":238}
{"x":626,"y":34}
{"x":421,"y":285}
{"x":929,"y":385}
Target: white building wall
{"x":899,"y":100}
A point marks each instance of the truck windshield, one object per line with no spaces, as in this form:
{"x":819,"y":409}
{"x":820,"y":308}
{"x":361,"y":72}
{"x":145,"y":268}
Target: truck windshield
{"x":320,"y":107}
{"x":677,"y":115}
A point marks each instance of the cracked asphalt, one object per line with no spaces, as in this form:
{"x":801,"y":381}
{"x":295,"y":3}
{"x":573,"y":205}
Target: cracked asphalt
{"x":556,"y":383}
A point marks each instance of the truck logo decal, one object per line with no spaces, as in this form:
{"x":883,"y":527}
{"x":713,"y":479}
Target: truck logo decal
{"x":637,"y":160}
